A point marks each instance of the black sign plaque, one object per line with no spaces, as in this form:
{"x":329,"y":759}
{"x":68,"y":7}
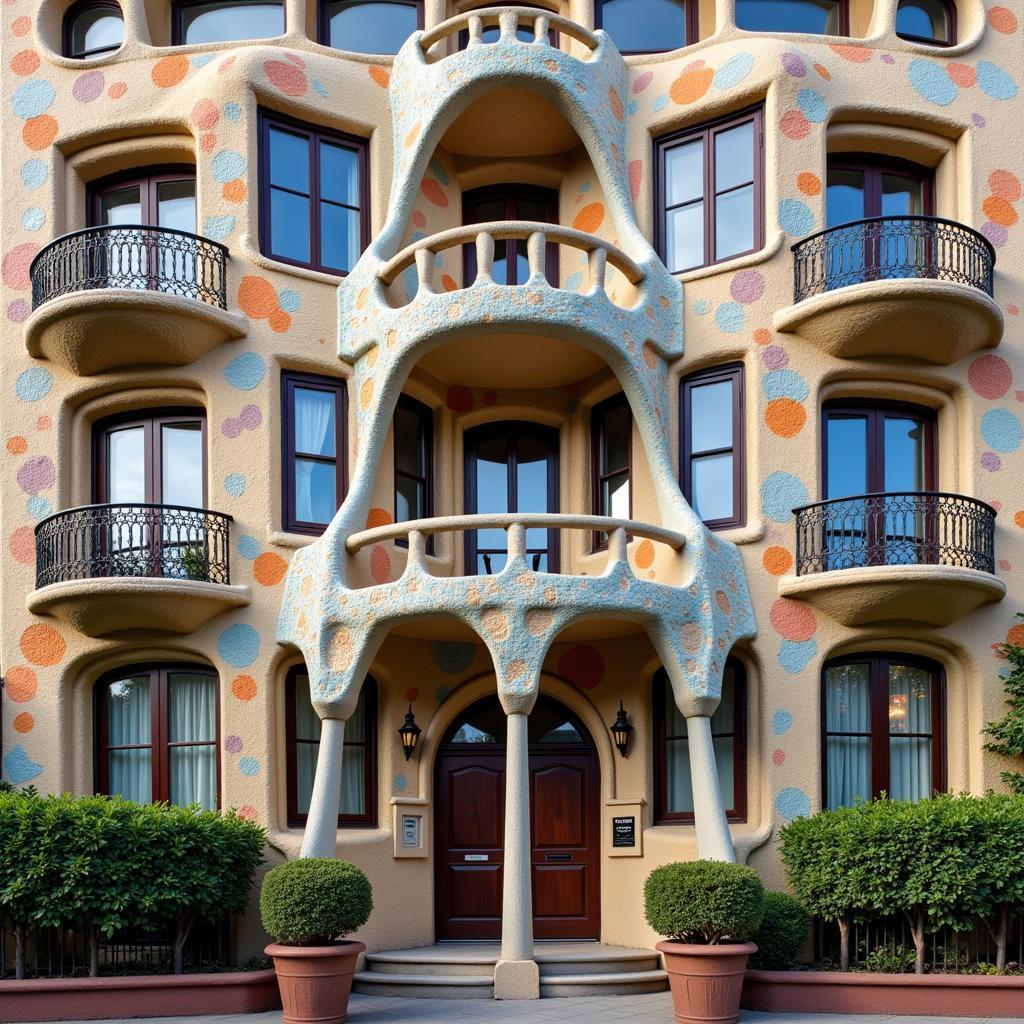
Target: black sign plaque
{"x":624,"y":831}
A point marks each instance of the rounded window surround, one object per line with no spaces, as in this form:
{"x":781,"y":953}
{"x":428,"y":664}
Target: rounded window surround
{"x":92,"y":29}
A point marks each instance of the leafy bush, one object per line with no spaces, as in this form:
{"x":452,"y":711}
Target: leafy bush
{"x":704,"y":901}
{"x":782,"y":934}
{"x":1008,"y":732}
{"x":314,"y":901}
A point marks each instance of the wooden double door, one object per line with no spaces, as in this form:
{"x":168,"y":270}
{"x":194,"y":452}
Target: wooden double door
{"x":564,"y":825}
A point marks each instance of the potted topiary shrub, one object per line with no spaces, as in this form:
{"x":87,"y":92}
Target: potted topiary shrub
{"x":707,"y":909}
{"x":308,"y":906}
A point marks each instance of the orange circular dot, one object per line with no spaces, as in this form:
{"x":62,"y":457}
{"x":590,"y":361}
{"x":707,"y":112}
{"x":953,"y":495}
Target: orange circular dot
{"x":380,"y":76}
{"x":43,"y":645}
{"x":21,"y":26}
{"x":39,"y":132}
{"x":234,"y":191}
{"x":785,"y":417}
{"x":691,"y":85}
{"x":1005,"y":184}
{"x":17,"y":445}
{"x":243,"y":687}
{"x":24,"y":62}
{"x":823,"y":72}
{"x":279,"y":321}
{"x":170,"y":71}
{"x":777,"y":560}
{"x":207,"y":141}
{"x":378,"y":517}
{"x":1002,"y":19}
{"x":269,"y":569}
{"x":23,"y":722}
{"x":999,"y":211}
{"x":22,"y":545}
{"x":762,"y":336}
{"x":962,"y":74}
{"x":380,"y":564}
{"x":1018,"y":519}
{"x":117,"y":90}
{"x":590,"y":218}
{"x":808,"y":183}
{"x":644,"y":556}
{"x":256,"y":297}
{"x":366,"y":394}
{"x":1015,"y":635}
{"x":448,"y":283}
{"x":20,"y":684}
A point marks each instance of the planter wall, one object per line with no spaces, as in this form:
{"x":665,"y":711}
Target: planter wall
{"x":929,"y":995}
{"x":148,"y":995}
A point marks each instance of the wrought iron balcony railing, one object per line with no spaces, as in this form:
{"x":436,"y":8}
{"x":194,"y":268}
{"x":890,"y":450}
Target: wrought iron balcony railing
{"x":136,"y":257}
{"x":890,"y":528}
{"x":886,"y":248}
{"x":104,"y":541}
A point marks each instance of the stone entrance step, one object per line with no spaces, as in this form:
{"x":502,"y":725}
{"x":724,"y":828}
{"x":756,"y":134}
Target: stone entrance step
{"x":465,"y":970}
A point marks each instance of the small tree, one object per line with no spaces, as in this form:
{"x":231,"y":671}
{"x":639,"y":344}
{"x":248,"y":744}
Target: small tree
{"x":1008,"y":732}
{"x":21,"y":881}
{"x":999,"y":890}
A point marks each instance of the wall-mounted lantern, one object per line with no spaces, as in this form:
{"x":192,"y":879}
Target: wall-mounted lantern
{"x":620,"y":730}
{"x":410,"y":733}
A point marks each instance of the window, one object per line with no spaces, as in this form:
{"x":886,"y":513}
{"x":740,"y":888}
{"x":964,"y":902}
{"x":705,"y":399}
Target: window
{"x":862,"y":186}
{"x":92,"y":30}
{"x":820,"y":17}
{"x":315,"y":415}
{"x":648,"y":26}
{"x":711,"y":449}
{"x":358,"y":806}
{"x":611,"y":432}
{"x":710,"y":193}
{"x":223,"y":22}
{"x":313,"y":195}
{"x":164,"y":198}
{"x":673,"y":786}
{"x":414,"y":462}
{"x":158,"y":735}
{"x":883,"y":725}
{"x":369,"y":26}
{"x":932,"y":22}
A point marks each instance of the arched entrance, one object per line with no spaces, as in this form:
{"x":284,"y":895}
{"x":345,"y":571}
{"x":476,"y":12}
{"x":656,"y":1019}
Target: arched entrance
{"x":565,"y":835}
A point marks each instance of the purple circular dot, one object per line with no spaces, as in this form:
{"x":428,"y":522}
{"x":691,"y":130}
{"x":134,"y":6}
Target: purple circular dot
{"x":233,"y":744}
{"x":747,"y":286}
{"x":18,"y":311}
{"x":794,"y":65}
{"x":775,"y":357}
{"x":250,"y":417}
{"x":88,"y":86}
{"x":888,"y":58}
{"x":979,"y":121}
{"x":991,"y":462}
{"x":995,"y":233}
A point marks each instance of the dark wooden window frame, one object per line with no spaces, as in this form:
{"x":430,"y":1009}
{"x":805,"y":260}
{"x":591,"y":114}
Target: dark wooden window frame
{"x":71,"y":16}
{"x":707,"y":132}
{"x":950,"y":7}
{"x":690,"y":13}
{"x":323,"y":17}
{"x":732,"y":372}
{"x":369,"y":694}
{"x":150,"y":420}
{"x":290,"y":379}
{"x":471,"y":437}
{"x":844,"y":22}
{"x":148,"y":179}
{"x":160,"y":743}
{"x":873,"y":167}
{"x":425,"y":415}
{"x":879,"y":735}
{"x":178,"y":8}
{"x":597,"y":444}
{"x":314,"y":135}
{"x":738,"y":810}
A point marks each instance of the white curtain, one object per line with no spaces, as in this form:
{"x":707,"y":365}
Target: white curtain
{"x":192,"y":719}
{"x":129,"y":722}
{"x":848,"y":710}
{"x":313,"y":412}
{"x":910,"y":726}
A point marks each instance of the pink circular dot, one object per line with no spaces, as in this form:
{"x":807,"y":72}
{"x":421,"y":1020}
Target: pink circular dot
{"x":747,"y":286}
{"x":18,"y":311}
{"x":778,"y":757}
{"x":990,"y":376}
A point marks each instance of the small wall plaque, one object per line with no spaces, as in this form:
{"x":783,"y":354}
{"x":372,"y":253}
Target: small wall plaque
{"x":624,"y":831}
{"x":476,"y":856}
{"x":410,"y":830}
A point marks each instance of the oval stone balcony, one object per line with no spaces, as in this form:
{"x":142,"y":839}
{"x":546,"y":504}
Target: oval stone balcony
{"x":119,"y":570}
{"x":111,"y":297}
{"x":914,"y":287}
{"x":924,"y":557}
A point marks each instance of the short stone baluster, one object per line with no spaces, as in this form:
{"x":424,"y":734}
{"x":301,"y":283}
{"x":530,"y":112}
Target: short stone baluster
{"x":536,"y":253}
{"x":484,"y":259}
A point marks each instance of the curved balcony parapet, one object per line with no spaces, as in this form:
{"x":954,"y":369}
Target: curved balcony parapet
{"x":509,"y":20}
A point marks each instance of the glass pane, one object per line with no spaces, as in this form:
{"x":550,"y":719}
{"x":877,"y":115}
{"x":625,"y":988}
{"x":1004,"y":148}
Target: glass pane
{"x":129,"y":714}
{"x":902,"y":195}
{"x":96,"y":31}
{"x":126,"y":465}
{"x":551,"y":724}
{"x":678,"y":784}
{"x":684,"y":172}
{"x":532,"y":478}
{"x":485,"y":723}
{"x":182,"y":464}
{"x":844,"y":196}
{"x":615,"y":438}
{"x":711,"y":487}
{"x":307,"y":721}
{"x":289,"y":226}
{"x":371,"y":27}
{"x":848,"y":698}
{"x":734,"y":222}
{"x":734,"y":156}
{"x":846,"y":438}
{"x":316,"y":495}
{"x":924,"y":19}
{"x":848,"y":709}
{"x":305,"y":772}
{"x":339,"y":172}
{"x":192,"y":707}
{"x":685,"y":236}
{"x":340,"y":239}
{"x":818,"y":16}
{"x":492,"y":476}
{"x":410,"y":449}
{"x":176,"y":204}
{"x":615,"y":496}
{"x":849,"y":770}
{"x":223,"y":22}
{"x":353,"y":779}
{"x":131,"y":774}
{"x":904,"y":454}
{"x":724,"y":718}
{"x":910,"y":699}
{"x":194,"y":776}
{"x":289,"y":160}
{"x":645,"y":26}
{"x":410,"y":499}
{"x":121,"y":206}
{"x":527,"y":208}
{"x":314,"y":424}
{"x":711,"y":416}
{"x":910,"y":768}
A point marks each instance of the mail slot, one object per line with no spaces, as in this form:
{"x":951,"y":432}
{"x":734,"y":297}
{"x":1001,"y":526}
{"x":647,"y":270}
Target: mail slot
{"x":476,"y":856}
{"x":559,"y":856}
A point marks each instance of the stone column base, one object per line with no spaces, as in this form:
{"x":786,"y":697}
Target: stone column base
{"x":516,"y":979}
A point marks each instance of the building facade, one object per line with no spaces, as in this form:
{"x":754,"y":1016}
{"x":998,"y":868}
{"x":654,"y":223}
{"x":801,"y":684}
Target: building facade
{"x":522,"y":372}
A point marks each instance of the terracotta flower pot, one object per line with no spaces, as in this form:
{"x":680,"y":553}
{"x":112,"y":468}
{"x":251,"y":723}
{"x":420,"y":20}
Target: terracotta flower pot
{"x":315,"y":981}
{"x":706,"y":981}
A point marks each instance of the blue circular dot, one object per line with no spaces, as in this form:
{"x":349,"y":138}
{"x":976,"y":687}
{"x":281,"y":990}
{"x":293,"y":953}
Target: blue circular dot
{"x":995,"y":82}
{"x":781,"y":492}
{"x":233,"y":111}
{"x":399,"y":783}
{"x":796,"y":655}
{"x":660,"y":103}
{"x":249,"y":765}
{"x":33,"y":384}
{"x":1001,"y":430}
{"x":34,"y":173}
{"x":219,"y":227}
{"x":795,"y":217}
{"x":812,"y":105}
{"x":792,"y":803}
{"x":239,"y":645}
{"x":291,"y":301}
{"x":733,"y":71}
{"x":33,"y":218}
{"x":234,"y":484}
{"x":782,"y":722}
{"x":227,"y":165}
{"x":32,"y":98}
{"x":248,"y":547}
{"x":38,"y":507}
{"x":785,"y":384}
{"x":245,"y":371}
{"x":932,"y":82}
{"x":730,"y":317}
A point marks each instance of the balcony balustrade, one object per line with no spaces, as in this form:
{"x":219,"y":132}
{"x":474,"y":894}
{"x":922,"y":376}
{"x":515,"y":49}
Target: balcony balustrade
{"x":527,"y":25}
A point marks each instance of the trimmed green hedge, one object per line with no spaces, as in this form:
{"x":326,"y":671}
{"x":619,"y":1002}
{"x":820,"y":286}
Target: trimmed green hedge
{"x":99,"y":864}
{"x":782,"y":934}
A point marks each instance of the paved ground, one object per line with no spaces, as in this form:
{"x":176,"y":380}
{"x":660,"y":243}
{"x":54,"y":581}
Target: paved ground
{"x":647,"y":1009}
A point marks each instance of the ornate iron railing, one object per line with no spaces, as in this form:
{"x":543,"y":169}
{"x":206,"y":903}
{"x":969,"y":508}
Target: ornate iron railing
{"x":103,"y":541}
{"x":891,"y":528}
{"x":883,"y":248}
{"x":137,"y":257}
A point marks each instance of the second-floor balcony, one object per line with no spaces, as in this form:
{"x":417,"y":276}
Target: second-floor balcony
{"x":912,"y":286}
{"x":925,"y":556}
{"x":109,"y":297}
{"x":117,"y":569}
